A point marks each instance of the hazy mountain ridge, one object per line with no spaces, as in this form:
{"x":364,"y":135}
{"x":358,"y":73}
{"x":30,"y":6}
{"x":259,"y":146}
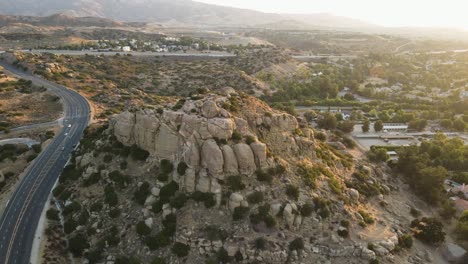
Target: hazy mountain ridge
{"x":58,"y":20}
{"x":182,"y":11}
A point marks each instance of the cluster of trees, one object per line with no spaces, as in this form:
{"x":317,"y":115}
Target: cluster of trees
{"x":425,"y":166}
{"x":329,"y":121}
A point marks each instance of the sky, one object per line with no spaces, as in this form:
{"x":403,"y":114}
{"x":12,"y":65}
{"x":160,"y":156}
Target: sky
{"x":391,"y":13}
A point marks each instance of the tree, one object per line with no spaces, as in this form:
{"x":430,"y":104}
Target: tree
{"x":378,"y":126}
{"x":459,"y":125}
{"x":446,"y":123}
{"x":328,"y":121}
{"x":429,"y":230}
{"x":366,"y":126}
{"x":347,"y":126}
{"x":378,"y":155}
{"x":462,"y":226}
{"x":418,"y":124}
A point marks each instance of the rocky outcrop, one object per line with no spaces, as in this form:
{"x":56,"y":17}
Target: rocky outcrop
{"x":201,"y":135}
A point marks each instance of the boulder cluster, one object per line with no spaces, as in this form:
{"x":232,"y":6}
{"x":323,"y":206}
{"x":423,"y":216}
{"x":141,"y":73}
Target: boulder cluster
{"x":213,"y":142}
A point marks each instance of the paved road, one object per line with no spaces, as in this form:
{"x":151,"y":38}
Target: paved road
{"x":21,"y":216}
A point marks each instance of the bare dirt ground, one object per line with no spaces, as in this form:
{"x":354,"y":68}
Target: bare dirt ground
{"x":22,"y":104}
{"x":25,"y":109}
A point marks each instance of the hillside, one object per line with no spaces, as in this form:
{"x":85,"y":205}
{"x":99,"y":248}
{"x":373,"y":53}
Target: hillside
{"x":217,"y":178}
{"x":58,"y":20}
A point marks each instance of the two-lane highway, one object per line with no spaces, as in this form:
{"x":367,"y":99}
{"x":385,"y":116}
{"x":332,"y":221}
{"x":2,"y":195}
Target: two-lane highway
{"x":21,"y":216}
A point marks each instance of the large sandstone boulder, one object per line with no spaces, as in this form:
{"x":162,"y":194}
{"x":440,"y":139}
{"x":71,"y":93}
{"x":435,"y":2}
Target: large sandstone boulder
{"x":123,"y":127}
{"x":259,"y":150}
{"x":204,"y":182}
{"x":235,"y":200}
{"x":190,"y":180}
{"x":230,"y":161}
{"x":453,"y":253}
{"x":209,"y":109}
{"x":212,"y":158}
{"x":221,"y":128}
{"x":245,"y":158}
{"x":166,"y":144}
{"x":145,"y":129}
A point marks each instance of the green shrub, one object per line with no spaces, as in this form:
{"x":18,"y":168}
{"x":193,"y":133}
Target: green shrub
{"x":37,"y":148}
{"x":110,"y":197}
{"x":292,"y":192}
{"x":163,"y":177}
{"x":142,"y":229}
{"x":142,"y":193}
{"x":127,"y":260}
{"x":262,"y":176}
{"x":92,"y":179}
{"x":167,"y":191}
{"x":343,"y":232}
{"x":170,"y":224}
{"x":157,"y":207}
{"x":31,"y":157}
{"x":138,"y":154}
{"x":96,"y":207}
{"x":120,"y":179}
{"x":180,"y":249}
{"x":166,"y":166}
{"x":368,"y":219}
{"x":260,"y":243}
{"x":69,"y":226}
{"x":52,"y":214}
{"x":158,"y":260}
{"x":270,"y":221}
{"x":114,"y":213}
{"x":320,"y":136}
{"x":235,"y":183}
{"x":71,"y":208}
{"x":77,"y":244}
{"x":344,"y":223}
{"x":107,"y":158}
{"x":240,"y":213}
{"x":255,"y":197}
{"x":179,"y":201}
{"x":309,"y":175}
{"x":222,"y":256}
{"x":296,"y":244}
{"x":214,"y":233}
{"x":307,"y":209}
{"x":181,"y":168}
{"x":429,"y":230}
{"x":405,"y":241}
{"x":236,"y":136}
{"x":250,"y":139}
{"x":123,"y":165}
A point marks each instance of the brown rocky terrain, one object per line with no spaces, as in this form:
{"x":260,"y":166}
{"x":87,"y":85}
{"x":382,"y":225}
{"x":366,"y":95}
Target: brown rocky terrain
{"x":221,"y":178}
{"x":22,"y":103}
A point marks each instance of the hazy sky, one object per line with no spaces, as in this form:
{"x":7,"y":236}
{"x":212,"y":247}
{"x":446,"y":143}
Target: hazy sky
{"x":431,"y":13}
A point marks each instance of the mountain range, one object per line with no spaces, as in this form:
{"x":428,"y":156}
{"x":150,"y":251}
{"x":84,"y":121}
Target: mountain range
{"x":178,"y":12}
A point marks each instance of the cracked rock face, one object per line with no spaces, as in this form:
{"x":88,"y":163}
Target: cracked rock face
{"x":201,"y":133}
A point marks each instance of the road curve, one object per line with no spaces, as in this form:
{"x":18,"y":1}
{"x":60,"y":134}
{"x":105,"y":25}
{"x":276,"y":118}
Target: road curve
{"x":21,"y":216}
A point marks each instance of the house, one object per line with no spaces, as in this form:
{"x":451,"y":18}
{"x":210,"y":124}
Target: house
{"x":395,"y":127}
{"x":463,"y":189}
{"x":126,"y":48}
{"x":461,"y":206}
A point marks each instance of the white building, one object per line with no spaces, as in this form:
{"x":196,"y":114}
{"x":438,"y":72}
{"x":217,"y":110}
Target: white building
{"x":395,"y":127}
{"x":126,"y":48}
